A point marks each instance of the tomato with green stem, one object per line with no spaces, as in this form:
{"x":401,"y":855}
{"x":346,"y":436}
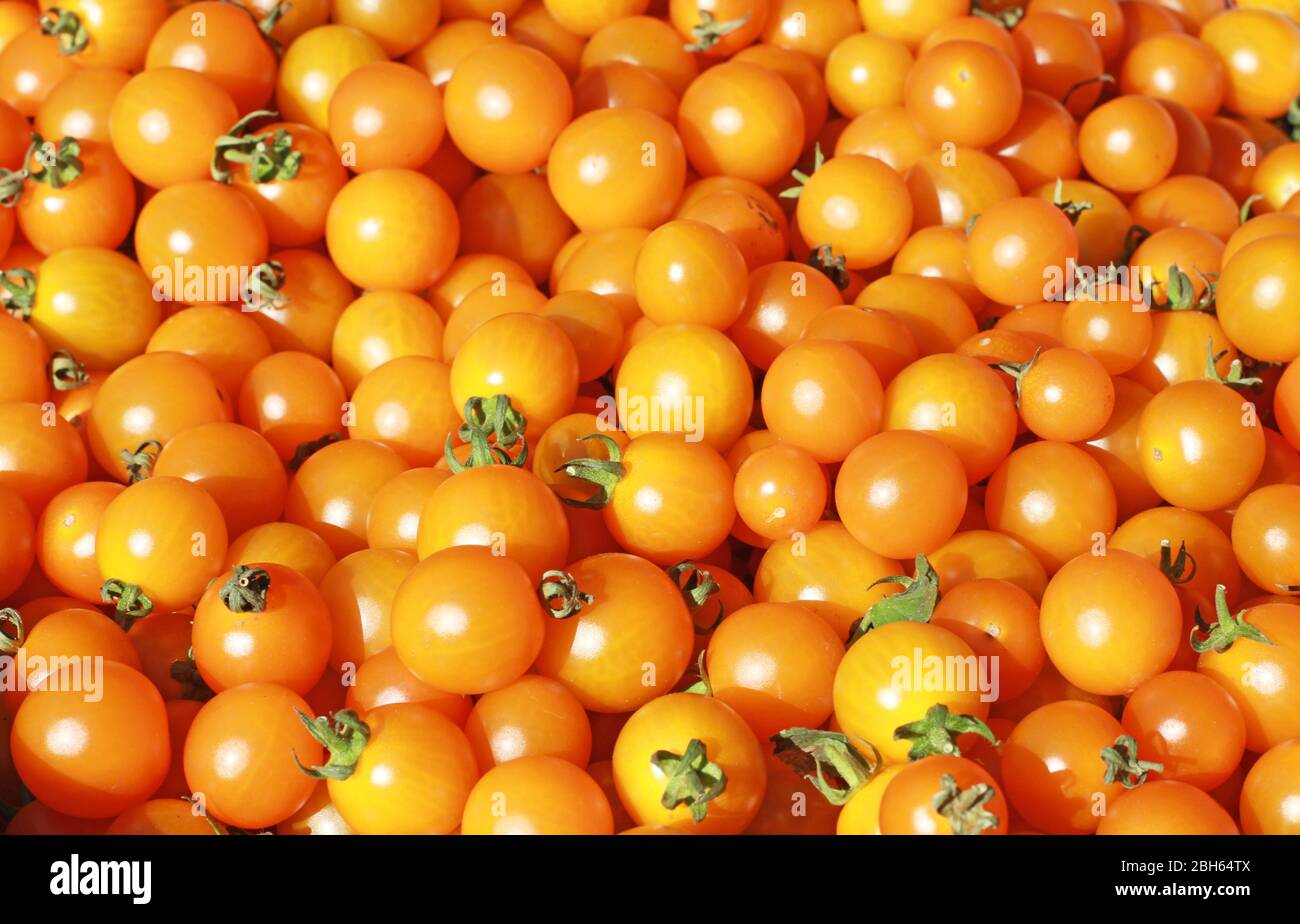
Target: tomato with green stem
{"x":1018,"y":246}
{"x":1190,"y":724}
{"x":857,"y":206}
{"x":618,"y":633}
{"x":1164,"y":532}
{"x":79,"y":195}
{"x":718,"y":28}
{"x":404,"y":769}
{"x":690,"y":762}
{"x":943,"y":794}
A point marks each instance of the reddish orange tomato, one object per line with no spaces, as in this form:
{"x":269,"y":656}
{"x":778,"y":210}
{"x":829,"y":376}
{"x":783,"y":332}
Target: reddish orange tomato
{"x":999,"y":620}
{"x":934,"y":796}
{"x":641,"y":629}
{"x":65,"y":537}
{"x":1188,"y":724}
{"x":534,"y":716}
{"x":122,"y":753}
{"x":40,"y":454}
{"x":467,"y":621}
{"x":294,"y":400}
{"x":1166,"y":807}
{"x":74,"y":633}
{"x":230,"y":50}
{"x":782,"y":300}
{"x":264,"y":623}
{"x":160,"y":640}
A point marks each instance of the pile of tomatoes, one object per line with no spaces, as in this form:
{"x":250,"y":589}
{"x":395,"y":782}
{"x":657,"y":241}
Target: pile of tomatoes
{"x":655,"y":416}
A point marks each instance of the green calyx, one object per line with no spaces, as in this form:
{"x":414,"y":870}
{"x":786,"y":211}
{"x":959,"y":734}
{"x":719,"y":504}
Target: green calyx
{"x":710,"y":31}
{"x":20,"y":286}
{"x":492,"y":428}
{"x":605,"y":474}
{"x":692,"y":779}
{"x":697,"y":589}
{"x":965,"y":809}
{"x":701,"y":687}
{"x":915,"y":603}
{"x":129,"y":602}
{"x":246,"y":589}
{"x":306,"y":450}
{"x":345,"y":737}
{"x":263,"y":289}
{"x":56,"y":164}
{"x":1008,"y":19}
{"x":1236,"y":376}
{"x":1180,"y":568}
{"x":1180,"y":292}
{"x":1072,"y":210}
{"x":139,"y":464}
{"x":828,"y":760}
{"x":1018,"y":371}
{"x":186,"y":673}
{"x":936,"y":733}
{"x":1221,"y":636}
{"x":561,"y":596}
{"x":12,"y":633}
{"x":1123,"y":766}
{"x":269,"y":156}
{"x":794,"y":192}
{"x":66,"y":26}
{"x":1290,"y":123}
{"x":66,"y":373}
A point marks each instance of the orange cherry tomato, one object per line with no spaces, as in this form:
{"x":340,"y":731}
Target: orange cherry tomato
{"x":963,"y":92}
{"x":230,"y":50}
{"x":1258,"y":675}
{"x":1188,"y":724}
{"x":293,"y":399}
{"x":814,"y":380}
{"x":534,"y":716}
{"x":1020,"y":248}
{"x":1268,"y":791}
{"x":1260,"y":51}
{"x":331,"y":492}
{"x":65,"y":537}
{"x":359,"y":590}
{"x":1167,"y":807}
{"x":780,"y":490}
{"x":40,"y":454}
{"x":541,"y":795}
{"x":911,"y":801}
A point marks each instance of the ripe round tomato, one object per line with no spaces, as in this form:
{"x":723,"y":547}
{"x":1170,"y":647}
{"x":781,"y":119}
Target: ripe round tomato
{"x":537,"y":795}
{"x":977,"y":554}
{"x":229,"y":343}
{"x":1166,"y":807}
{"x":1255,"y":295}
{"x":292,"y":399}
{"x":505,"y":106}
{"x":909,"y":21}
{"x":240,"y":753}
{"x":685,"y":378}
{"x":380,"y":326}
{"x":1258,"y":675}
{"x":382,"y":680}
{"x":866,"y":71}
{"x":1110,"y":622}
{"x":998,"y":620}
{"x":1188,"y":724}
{"x":639,"y":174}
{"x":235,"y":465}
{"x":230,"y":50}
{"x":1147,"y":532}
{"x":630,"y":643}
{"x":392,"y":229}
{"x":681,"y":739}
{"x":1260,"y":51}
{"x":494,"y":208}
{"x":1065,"y":395}
{"x":359,"y":591}
{"x":690,"y":272}
{"x":1128,"y":144}
{"x":467,"y":621}
{"x":823,"y":397}
{"x":331,"y":492}
{"x":75,"y":633}
{"x":1052,"y":767}
{"x":964,"y":92}
{"x":1264,"y":536}
{"x":741,"y":120}
{"x":859,"y":207}
{"x":1053,"y":498}
{"x":930,"y":796}
{"x":1268,"y":793}
{"x":153,"y":397}
{"x":798,"y":652}
{"x":1115,"y":331}
{"x":780,"y":490}
{"x":263,"y":623}
{"x":31,"y":65}
{"x":894,"y":674}
{"x":534,"y":716}
{"x":1202,"y":445}
{"x":406,"y":404}
{"x":121,"y":747}
{"x":782,"y":300}
{"x":901,"y":493}
{"x":313,"y":66}
{"x":40,"y":453}
{"x":1020,"y":248}
{"x":399,"y":27}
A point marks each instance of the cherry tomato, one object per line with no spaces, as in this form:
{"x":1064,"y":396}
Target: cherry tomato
{"x":532,"y":717}
{"x":1188,"y":724}
{"x":537,"y":795}
{"x":331,"y":492}
{"x":924,"y":798}
{"x":1257,"y":675}
{"x":1267,"y":794}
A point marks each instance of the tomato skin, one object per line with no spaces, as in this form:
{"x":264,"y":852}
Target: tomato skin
{"x":1259,"y":676}
{"x":492,"y":607}
{"x":161,"y":817}
{"x":413,"y":776}
{"x":1144,"y":533}
{"x":1270,"y":788}
{"x":877,"y":498}
{"x":165,"y":535}
{"x":1057,"y":53}
{"x":358,"y":591}
{"x":1052,"y":768}
{"x":30,"y":67}
{"x":534,"y":716}
{"x":417,"y":235}
{"x":630,"y":645}
{"x":295,"y":210}
{"x":1066,"y":395}
{"x":240,"y":751}
{"x":287,"y":643}
{"x":905,"y":806}
{"x":780,"y":490}
{"x":313,"y":66}
{"x":406,"y":404}
{"x":978,"y":554}
{"x":291,"y":398}
{"x":21,"y":539}
{"x":823,"y":397}
{"x":911,"y":20}
{"x":783,"y":298}
{"x":382,"y":680}
{"x":997,"y":619}
{"x":670,"y":723}
{"x":230,"y":50}
{"x":539,"y":795}
{"x":1018,"y":247}
{"x":123,"y":753}
{"x":380,"y":326}
{"x":875,"y":688}
{"x":1255,"y":294}
{"x":1053,"y":498}
{"x":397,"y":26}
{"x":802,"y":652}
{"x":1260,"y":51}
{"x":857,"y":205}
{"x":1188,"y":723}
{"x":1166,"y":807}
{"x":861,"y":814}
{"x":696,"y":509}
{"x":1264,"y":538}
{"x":1228,"y":441}
{"x":229,"y":343}
{"x":332,"y":491}
{"x":160,"y":639}
{"x":964,"y":92}
{"x":1110,"y":622}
